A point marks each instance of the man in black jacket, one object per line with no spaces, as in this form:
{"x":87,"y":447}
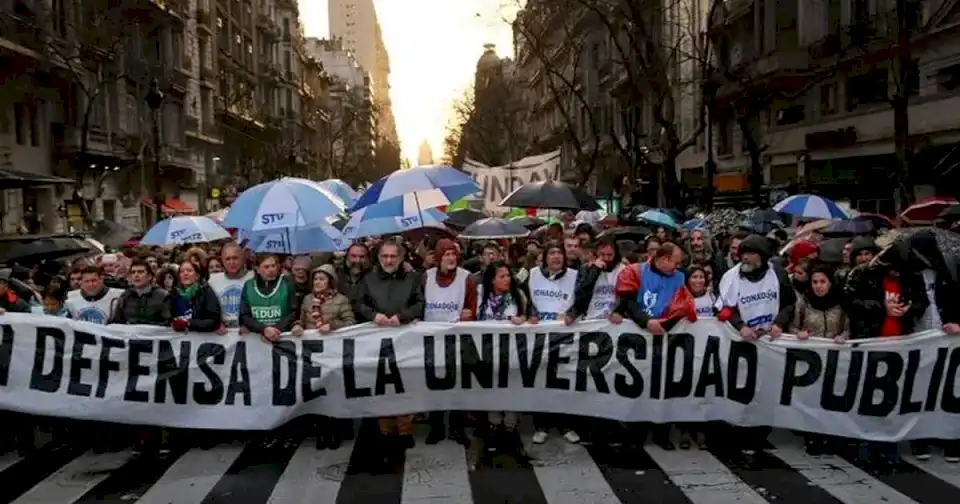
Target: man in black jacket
{"x":142,"y":302}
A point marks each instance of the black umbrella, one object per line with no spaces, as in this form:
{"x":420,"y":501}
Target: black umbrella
{"x":528,"y":221}
{"x":760,"y":227}
{"x":112,"y":234}
{"x":493,"y":228}
{"x":950,"y":214}
{"x":45,"y":249}
{"x":550,"y":194}
{"x":631,"y":233}
{"x":831,"y":250}
{"x":463,"y":217}
{"x":860,"y":225}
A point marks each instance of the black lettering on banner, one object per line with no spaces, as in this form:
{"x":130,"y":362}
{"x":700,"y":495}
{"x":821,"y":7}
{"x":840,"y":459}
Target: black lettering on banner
{"x":656,"y":367}
{"x":711,"y":370}
{"x":210,"y":392}
{"x":950,"y":403}
{"x":907,"y":404}
{"x":530,"y":359}
{"x":886,"y":383}
{"x":239,"y":376}
{"x":631,"y":384}
{"x":6,"y":353}
{"x":388,"y":372}
{"x":173,"y":371}
{"x":685,"y":345}
{"x":791,"y":380}
{"x":745,"y":352}
{"x":310,"y":370}
{"x":78,"y":363}
{"x":592,"y":363}
{"x":848,"y":398}
{"x":503,"y":358}
{"x":476,"y":363}
{"x":449,"y":380}
{"x":135,"y":370}
{"x":555,"y":359}
{"x":107,"y":345}
{"x":284,"y":352}
{"x":350,"y":389}
{"x":936,"y":378}
{"x":48,"y":382}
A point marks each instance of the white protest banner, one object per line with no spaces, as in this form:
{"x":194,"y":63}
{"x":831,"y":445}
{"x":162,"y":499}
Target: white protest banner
{"x":887,"y":389}
{"x":496,"y":182}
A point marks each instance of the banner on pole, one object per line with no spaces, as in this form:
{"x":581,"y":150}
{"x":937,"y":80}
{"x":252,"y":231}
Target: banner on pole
{"x":888,"y":389}
{"x":496,"y":182}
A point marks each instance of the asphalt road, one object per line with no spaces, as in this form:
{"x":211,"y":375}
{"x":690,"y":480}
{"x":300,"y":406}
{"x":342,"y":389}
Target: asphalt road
{"x":447,"y":473}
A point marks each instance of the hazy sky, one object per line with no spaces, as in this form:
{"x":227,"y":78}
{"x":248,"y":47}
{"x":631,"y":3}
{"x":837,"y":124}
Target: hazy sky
{"x":433,"y":46}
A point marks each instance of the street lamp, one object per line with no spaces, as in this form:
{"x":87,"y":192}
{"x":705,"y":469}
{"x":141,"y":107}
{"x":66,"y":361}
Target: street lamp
{"x":154,"y":100}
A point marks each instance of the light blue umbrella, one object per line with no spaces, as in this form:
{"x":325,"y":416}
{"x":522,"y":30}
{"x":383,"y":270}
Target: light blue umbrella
{"x":287,"y":203}
{"x":493,"y":228}
{"x":324,"y":238}
{"x":341,"y":189}
{"x":809,"y":206}
{"x":416,"y":189}
{"x":180,"y":230}
{"x":366,"y":222}
{"x":658,"y":218}
{"x":692,"y":224}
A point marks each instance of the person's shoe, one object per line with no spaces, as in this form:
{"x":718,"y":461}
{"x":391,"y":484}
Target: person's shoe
{"x":921,"y":450}
{"x":406,"y":441}
{"x":539,"y":437}
{"x":571,"y":437}
{"x":435,"y":436}
{"x":663,"y":441}
{"x":458,"y":436}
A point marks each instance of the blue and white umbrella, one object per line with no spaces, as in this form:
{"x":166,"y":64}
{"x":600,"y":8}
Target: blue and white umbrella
{"x":324,"y":238}
{"x":809,"y":206}
{"x":692,"y":224}
{"x":416,"y":189}
{"x":658,"y":218}
{"x":283,"y":204}
{"x":366,"y":222}
{"x":341,"y":189}
{"x":180,"y":230}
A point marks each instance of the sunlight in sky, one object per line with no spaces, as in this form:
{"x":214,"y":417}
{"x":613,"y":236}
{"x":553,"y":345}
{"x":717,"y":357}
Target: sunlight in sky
{"x":434,"y":46}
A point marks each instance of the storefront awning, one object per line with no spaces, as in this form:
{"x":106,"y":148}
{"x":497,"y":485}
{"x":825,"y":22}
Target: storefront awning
{"x":16,"y":179}
{"x":172,"y":206}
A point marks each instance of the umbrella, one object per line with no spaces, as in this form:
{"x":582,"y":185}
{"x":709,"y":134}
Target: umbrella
{"x":45,"y":249}
{"x":947,"y":241}
{"x":416,"y":189}
{"x":218,"y":215}
{"x":464,"y":218}
{"x":764,"y":215}
{"x":809,"y":206}
{"x":927,"y":210}
{"x":284,"y":203}
{"x":815,"y":227}
{"x":528,"y":222}
{"x":341,"y":189}
{"x":368,"y":222}
{"x":831,"y":250}
{"x":658,"y":218}
{"x":692,"y":224}
{"x":179,"y":230}
{"x":950,"y":213}
{"x":550,"y":194}
{"x":635,"y":211}
{"x":112,"y":234}
{"x":631,"y":233}
{"x":494,"y":228}
{"x":760,"y":227}
{"x":861,"y":225}
{"x":324,"y":238}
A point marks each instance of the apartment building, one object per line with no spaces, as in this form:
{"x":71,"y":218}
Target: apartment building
{"x":831,"y":127}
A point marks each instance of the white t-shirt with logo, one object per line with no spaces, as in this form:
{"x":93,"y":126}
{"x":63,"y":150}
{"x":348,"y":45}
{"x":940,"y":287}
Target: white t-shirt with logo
{"x":704,"y":305}
{"x":229,"y":291}
{"x":552,"y":298}
{"x":96,"y":312}
{"x":444,"y":304}
{"x":757,"y":302}
{"x":604,"y":296}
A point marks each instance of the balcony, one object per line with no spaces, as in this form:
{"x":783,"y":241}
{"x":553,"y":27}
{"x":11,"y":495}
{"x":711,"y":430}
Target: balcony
{"x":267,"y":24}
{"x":22,"y":32}
{"x":204,"y":20}
{"x":191,"y":124}
{"x":177,"y":81}
{"x":207,"y":74}
{"x":185,"y":67}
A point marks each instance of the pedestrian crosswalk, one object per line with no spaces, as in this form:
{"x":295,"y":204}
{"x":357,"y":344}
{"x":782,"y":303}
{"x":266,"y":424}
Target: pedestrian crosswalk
{"x":448,"y":473}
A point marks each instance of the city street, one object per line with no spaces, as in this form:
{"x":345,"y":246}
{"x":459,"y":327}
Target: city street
{"x":559,"y":473}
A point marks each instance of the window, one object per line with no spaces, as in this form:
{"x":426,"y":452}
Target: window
{"x":19,"y":116}
{"x":867,"y":89}
{"x":791,"y":114}
{"x":34,"y":125}
{"x":725,"y":137}
{"x":828,"y":99}
{"x":911,"y":79}
{"x":948,"y":78}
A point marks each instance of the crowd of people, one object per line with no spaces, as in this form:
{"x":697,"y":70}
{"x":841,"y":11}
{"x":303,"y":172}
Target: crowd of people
{"x":561,"y":274}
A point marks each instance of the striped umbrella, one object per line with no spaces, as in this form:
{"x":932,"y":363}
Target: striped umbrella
{"x":810,"y":206}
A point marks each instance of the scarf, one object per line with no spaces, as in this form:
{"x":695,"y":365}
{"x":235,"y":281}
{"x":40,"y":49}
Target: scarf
{"x":498,"y":304}
{"x":826,"y":302}
{"x":188,"y":292}
{"x":316,"y":311}
{"x":183,"y":303}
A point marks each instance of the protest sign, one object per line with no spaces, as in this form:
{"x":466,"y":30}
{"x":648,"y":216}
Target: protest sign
{"x":496,"y":182}
{"x":887,"y":389}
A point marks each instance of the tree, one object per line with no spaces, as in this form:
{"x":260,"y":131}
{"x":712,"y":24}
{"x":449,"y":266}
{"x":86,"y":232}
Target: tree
{"x":84,"y":46}
{"x":489,"y":125}
{"x":348,"y":136}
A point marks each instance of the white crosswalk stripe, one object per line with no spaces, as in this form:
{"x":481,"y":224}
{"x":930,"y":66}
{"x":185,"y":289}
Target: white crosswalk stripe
{"x":560,"y":473}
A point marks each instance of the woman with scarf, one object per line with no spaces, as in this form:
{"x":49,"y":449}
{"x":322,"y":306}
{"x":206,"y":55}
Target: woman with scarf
{"x":193,"y":304}
{"x":551,"y":288}
{"x":698,"y":283}
{"x":326,"y":309}
{"x":500,"y":297}
{"x":819,"y":314}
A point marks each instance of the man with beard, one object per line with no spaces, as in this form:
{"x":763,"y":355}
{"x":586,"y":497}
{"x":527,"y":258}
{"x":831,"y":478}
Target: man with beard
{"x":356,"y":266}
{"x":229,"y":284}
{"x":450,"y":295}
{"x":757,"y":298}
{"x":390,"y":297}
{"x":862,"y":251}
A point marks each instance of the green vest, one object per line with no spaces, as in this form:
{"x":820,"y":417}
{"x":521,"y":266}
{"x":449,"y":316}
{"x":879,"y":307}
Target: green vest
{"x":268,"y":308}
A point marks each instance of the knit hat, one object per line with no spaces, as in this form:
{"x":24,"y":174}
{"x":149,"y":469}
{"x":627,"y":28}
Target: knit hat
{"x":757,"y":244}
{"x":445,"y":244}
{"x":802,"y":249}
{"x":331,"y":273}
